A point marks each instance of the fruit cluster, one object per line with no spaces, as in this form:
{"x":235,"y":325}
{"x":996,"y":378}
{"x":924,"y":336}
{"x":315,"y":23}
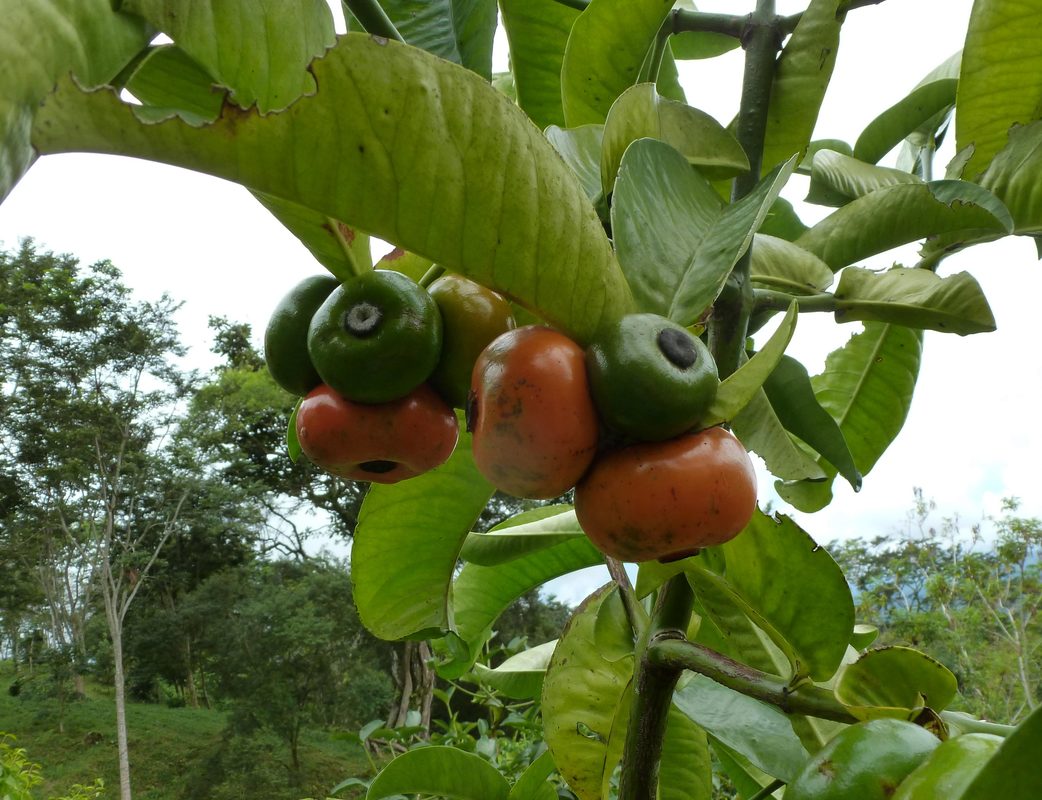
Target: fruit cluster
{"x":381,"y":361}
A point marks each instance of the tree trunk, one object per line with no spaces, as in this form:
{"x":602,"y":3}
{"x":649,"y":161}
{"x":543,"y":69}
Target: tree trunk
{"x":116,"y":630}
{"x":190,"y":691}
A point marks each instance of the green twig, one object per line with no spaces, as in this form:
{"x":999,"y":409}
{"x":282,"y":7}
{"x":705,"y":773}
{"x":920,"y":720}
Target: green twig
{"x":807,"y":699}
{"x":653,"y":686}
{"x":768,"y":790}
{"x":770,"y":300}
{"x":653,"y":62}
{"x":373,"y":18}
{"x":970,"y":725}
{"x":703,"y":22}
{"x":431,"y":275}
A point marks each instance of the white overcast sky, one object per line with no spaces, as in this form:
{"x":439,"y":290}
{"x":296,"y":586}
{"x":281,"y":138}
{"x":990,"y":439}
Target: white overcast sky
{"x":973,"y":434}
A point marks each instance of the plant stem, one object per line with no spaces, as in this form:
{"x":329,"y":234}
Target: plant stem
{"x":635,"y":613}
{"x":653,"y":686}
{"x":807,"y":699}
{"x":761,"y":38}
{"x":653,"y":62}
{"x":768,"y":790}
{"x":432,"y":274}
{"x":970,"y":725}
{"x":765,"y":299}
{"x":706,"y":22}
{"x":373,"y":18}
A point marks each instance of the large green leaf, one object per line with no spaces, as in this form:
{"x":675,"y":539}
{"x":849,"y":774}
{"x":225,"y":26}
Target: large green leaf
{"x":581,"y":150}
{"x":903,"y":118}
{"x":533,"y":783}
{"x":760,"y":732}
{"x":836,"y":179}
{"x":803,"y":74}
{"x":521,"y":675}
{"x":606,"y":48}
{"x":675,"y":238}
{"x":460,"y":31}
{"x":512,"y":539}
{"x":761,"y":431}
{"x":796,"y":591}
{"x":480,"y":594}
{"x":895,"y":682}
{"x":917,"y":298}
{"x":792,"y":398}
{"x":442,"y":771}
{"x":782,"y":266}
{"x":470,"y":182}
{"x":897,"y":215}
{"x":406,"y":544}
{"x":582,"y":695}
{"x":171,"y":81}
{"x":686,"y":767}
{"x":1000,"y":83}
{"x":537,"y":31}
{"x":641,"y":112}
{"x":42,"y":40}
{"x":1013,"y":770}
{"x":867,"y":387}
{"x":1015,"y":176}
{"x":259,"y":50}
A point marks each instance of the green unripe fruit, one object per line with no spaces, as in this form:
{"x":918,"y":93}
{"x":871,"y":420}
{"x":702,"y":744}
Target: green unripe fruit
{"x":650,"y":378}
{"x":950,"y":769}
{"x":866,"y":761}
{"x":376,"y":338}
{"x":286,"y":337}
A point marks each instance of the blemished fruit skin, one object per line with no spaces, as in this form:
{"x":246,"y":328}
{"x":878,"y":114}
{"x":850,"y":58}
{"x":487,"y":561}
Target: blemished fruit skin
{"x":534,"y":423}
{"x":950,"y":769}
{"x":472,"y":316}
{"x":286,"y":337}
{"x":382,"y":443}
{"x":651,"y":379}
{"x":867,"y":761}
{"x":667,"y":500}
{"x":376,"y":337}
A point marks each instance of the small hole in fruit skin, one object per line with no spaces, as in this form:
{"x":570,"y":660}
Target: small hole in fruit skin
{"x":379,"y":467}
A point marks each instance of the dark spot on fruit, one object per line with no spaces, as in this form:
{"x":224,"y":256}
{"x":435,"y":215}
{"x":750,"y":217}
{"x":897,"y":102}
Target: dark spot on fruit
{"x":379,"y":467}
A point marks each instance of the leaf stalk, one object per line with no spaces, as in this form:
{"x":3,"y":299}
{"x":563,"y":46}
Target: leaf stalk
{"x":373,"y":18}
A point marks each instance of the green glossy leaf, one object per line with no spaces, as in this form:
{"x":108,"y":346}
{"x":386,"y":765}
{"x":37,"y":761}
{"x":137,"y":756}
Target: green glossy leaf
{"x":480,"y":594}
{"x":443,"y":771}
{"x":405,"y":262}
{"x":1013,"y":770}
{"x":738,"y":389}
{"x":43,"y":40}
{"x":803,"y":74}
{"x":747,"y":779}
{"x":338,"y":247}
{"x":837,"y":179}
{"x":867,"y":388}
{"x":819,"y":145}
{"x":863,"y":636}
{"x":1000,"y":83}
{"x":917,"y":298}
{"x":521,"y":675}
{"x":537,"y":31}
{"x":505,"y":543}
{"x":797,"y":592}
{"x":460,"y":31}
{"x":686,"y":768}
{"x":903,"y":118}
{"x":897,"y":215}
{"x":605,"y":51}
{"x":760,"y":732}
{"x":171,"y":81}
{"x":471,"y":184}
{"x":792,"y":397}
{"x":581,"y":150}
{"x":895,"y":682}
{"x":641,"y":112}
{"x":533,"y":783}
{"x":582,"y":693}
{"x":258,"y":50}
{"x":676,"y":240}
{"x":690,"y":45}
{"x":612,"y":632}
{"x":1015,"y":176}
{"x":761,"y":431}
{"x":293,"y":449}
{"x":782,"y":221}
{"x":419,"y":525}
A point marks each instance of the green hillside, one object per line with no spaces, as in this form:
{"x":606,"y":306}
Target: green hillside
{"x":175,"y":753}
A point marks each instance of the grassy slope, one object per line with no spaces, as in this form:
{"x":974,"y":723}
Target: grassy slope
{"x":173,"y":751}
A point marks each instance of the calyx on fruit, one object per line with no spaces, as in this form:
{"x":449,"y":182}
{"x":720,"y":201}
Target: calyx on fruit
{"x":651,"y":379}
{"x":382,"y":443}
{"x":534,"y":424}
{"x":376,"y":337}
{"x":667,"y":500}
{"x":286,"y":337}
